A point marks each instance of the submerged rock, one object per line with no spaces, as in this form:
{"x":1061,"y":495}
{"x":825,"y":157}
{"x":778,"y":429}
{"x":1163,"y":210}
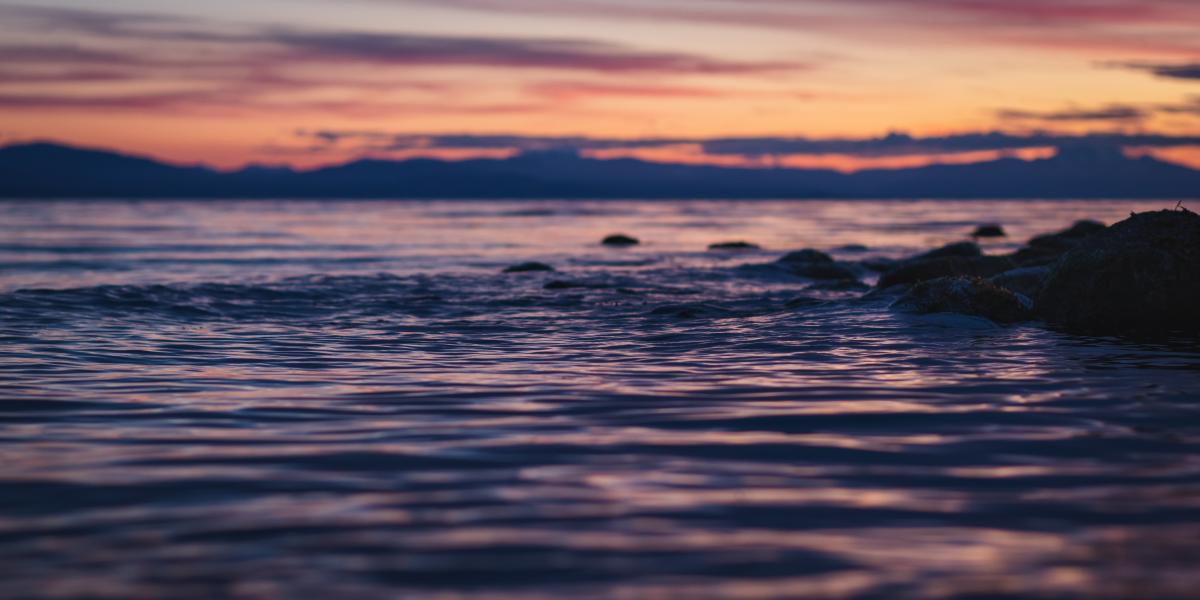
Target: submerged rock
{"x":1141,"y":275}
{"x":1027,"y":281}
{"x":815,"y":264}
{"x":924,"y":269}
{"x":806,"y":256}
{"x":738,"y":245}
{"x":972,"y":296}
{"x":620,"y":239}
{"x":529,"y":267}
{"x":989,"y":231}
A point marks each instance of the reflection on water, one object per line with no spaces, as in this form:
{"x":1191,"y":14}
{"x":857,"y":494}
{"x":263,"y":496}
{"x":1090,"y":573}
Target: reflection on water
{"x":321,"y":400}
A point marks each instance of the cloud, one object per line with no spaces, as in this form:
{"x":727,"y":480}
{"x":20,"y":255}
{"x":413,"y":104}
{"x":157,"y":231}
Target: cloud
{"x":217,"y":66}
{"x":1113,"y":112}
{"x":1162,"y":26}
{"x":1187,"y":70}
{"x":577,"y":55}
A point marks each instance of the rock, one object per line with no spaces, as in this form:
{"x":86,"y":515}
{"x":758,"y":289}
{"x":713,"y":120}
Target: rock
{"x":989,"y":231}
{"x":852,"y":248}
{"x":806,"y":256}
{"x":1141,"y":275}
{"x":1047,"y":248}
{"x":529,"y":267}
{"x":739,"y":245}
{"x":620,"y":239}
{"x":1027,"y":281}
{"x":972,"y":296}
{"x":962,"y":249}
{"x":815,"y":264}
{"x":918,"y":270}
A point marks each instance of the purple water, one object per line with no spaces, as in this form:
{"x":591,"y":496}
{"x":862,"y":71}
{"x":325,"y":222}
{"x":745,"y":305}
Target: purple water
{"x":350,"y":400}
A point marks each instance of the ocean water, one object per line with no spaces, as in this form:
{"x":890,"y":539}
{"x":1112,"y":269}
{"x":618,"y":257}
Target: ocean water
{"x":351,"y":400}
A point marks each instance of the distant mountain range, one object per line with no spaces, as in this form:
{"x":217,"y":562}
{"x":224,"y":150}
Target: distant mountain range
{"x":45,"y":170}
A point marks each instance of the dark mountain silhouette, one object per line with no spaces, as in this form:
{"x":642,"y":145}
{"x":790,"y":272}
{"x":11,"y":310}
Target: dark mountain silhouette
{"x":53,"y":171}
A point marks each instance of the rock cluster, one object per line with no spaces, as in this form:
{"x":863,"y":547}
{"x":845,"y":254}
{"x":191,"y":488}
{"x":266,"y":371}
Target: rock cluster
{"x":1141,"y":275}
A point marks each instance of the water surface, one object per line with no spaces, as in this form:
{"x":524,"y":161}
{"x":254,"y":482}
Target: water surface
{"x":337,"y":399}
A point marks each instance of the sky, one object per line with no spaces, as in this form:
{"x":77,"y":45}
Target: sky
{"x":845,"y":84}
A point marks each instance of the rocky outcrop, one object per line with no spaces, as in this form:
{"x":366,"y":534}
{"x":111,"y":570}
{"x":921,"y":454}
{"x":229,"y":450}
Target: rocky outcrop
{"x":966,"y":295}
{"x":1141,"y":275}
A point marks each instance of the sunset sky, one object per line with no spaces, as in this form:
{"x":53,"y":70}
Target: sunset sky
{"x":308,"y":82}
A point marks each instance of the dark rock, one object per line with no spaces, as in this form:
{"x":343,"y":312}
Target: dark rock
{"x":1141,"y":275}
{"x":529,"y":267}
{"x":1027,"y":281}
{"x":620,"y":239}
{"x":806,"y":256}
{"x":962,"y":249}
{"x":1047,"y":248}
{"x":918,"y":270}
{"x":815,"y":264}
{"x":966,"y":295}
{"x":989,"y":231}
{"x":739,"y":245}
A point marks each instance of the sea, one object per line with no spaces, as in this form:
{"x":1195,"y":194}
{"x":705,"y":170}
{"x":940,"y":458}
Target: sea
{"x":352,"y":399}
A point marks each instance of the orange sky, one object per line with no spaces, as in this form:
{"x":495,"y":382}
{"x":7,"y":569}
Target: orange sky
{"x":230,"y":82}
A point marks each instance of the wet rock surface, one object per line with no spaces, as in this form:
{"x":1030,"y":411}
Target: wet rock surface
{"x":1141,"y":275}
{"x":972,"y":296}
